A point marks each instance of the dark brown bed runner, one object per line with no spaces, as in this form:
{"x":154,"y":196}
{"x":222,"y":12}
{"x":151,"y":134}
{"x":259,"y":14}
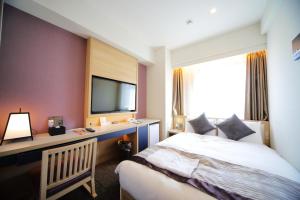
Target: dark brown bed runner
{"x":224,"y":180}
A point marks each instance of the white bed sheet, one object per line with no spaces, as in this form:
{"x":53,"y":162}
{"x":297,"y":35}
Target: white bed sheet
{"x":143,"y":183}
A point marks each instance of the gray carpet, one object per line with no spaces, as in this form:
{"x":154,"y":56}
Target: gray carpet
{"x":107,"y":186}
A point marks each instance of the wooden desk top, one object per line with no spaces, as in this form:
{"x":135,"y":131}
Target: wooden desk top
{"x":45,"y":140}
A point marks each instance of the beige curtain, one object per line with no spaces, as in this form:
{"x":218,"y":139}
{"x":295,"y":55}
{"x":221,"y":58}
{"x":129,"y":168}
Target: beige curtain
{"x":177,"y":107}
{"x":256,"y":87}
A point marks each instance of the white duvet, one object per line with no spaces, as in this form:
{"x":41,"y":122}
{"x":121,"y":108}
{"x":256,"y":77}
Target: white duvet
{"x":144,"y":183}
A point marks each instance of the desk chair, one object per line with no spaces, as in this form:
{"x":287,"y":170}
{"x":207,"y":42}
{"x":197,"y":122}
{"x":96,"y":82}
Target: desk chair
{"x":67,"y":168}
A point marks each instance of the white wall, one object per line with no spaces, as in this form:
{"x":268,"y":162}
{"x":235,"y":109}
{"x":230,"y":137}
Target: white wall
{"x":155,"y":87}
{"x":284,"y":82}
{"x":233,"y":43}
{"x":158,"y":89}
{"x":168,"y":92}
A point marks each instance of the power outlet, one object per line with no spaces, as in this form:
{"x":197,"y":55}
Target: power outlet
{"x":91,"y":122}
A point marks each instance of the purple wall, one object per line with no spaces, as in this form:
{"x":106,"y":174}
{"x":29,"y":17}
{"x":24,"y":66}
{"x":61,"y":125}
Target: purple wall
{"x":41,"y":70}
{"x":142,"y":92}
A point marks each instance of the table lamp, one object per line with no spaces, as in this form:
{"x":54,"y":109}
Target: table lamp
{"x":17,"y":126}
{"x":179,"y":122}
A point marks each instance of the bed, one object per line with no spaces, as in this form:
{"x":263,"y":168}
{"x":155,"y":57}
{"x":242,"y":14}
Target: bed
{"x":138,"y":181}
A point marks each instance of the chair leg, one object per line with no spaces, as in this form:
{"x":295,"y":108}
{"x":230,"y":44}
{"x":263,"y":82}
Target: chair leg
{"x":94,"y":194}
{"x":42,"y":197}
{"x":87,"y":187}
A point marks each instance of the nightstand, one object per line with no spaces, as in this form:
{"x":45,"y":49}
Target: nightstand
{"x":174,"y":132}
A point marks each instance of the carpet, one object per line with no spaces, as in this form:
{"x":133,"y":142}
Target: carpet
{"x":106,"y":182}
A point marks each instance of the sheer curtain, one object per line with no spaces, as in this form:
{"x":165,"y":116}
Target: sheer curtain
{"x":215,"y":87}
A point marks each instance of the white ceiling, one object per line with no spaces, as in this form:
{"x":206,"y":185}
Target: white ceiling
{"x":163,"y":22}
{"x":138,"y":25}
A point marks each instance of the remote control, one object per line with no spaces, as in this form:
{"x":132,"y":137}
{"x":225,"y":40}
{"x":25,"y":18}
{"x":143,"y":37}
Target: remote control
{"x":90,"y":129}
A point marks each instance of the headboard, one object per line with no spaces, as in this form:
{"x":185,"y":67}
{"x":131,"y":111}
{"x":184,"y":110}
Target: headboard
{"x":265,"y":128}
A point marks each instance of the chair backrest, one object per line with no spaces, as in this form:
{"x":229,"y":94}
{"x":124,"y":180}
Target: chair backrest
{"x":62,"y":164}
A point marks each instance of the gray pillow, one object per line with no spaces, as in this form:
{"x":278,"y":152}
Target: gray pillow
{"x":201,"y":124}
{"x":234,"y":128}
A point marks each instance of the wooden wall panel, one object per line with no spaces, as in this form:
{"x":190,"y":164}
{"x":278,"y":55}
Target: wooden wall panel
{"x":106,"y":61}
{"x":109,"y":62}
{"x":112,"y":117}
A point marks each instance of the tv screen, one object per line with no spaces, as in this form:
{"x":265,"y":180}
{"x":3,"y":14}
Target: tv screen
{"x":112,"y":96}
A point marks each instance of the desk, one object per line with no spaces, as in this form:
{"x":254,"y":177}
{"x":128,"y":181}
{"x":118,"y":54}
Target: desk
{"x":30,"y":151}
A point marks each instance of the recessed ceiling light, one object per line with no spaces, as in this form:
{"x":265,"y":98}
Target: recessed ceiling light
{"x":189,"y":21}
{"x":213,"y":11}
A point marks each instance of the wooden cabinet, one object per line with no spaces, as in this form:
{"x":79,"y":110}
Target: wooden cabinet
{"x":142,"y":137}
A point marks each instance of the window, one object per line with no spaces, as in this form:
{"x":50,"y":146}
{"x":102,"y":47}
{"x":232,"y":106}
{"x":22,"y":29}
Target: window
{"x":216,"y":87}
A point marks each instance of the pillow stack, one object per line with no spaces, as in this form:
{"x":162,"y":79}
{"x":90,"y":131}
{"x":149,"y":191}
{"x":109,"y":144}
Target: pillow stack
{"x":232,"y":127}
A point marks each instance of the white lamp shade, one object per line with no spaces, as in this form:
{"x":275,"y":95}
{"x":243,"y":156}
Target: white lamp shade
{"x":179,"y":122}
{"x":18,"y":126}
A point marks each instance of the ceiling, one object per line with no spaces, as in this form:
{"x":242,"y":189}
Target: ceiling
{"x":163,"y":22}
{"x":142,"y":24}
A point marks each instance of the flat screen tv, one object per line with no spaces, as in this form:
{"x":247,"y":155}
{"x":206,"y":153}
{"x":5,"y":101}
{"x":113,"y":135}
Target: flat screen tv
{"x":112,"y":96}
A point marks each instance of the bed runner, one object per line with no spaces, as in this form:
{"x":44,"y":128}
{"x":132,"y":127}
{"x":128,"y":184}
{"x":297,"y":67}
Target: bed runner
{"x":220,"y":179}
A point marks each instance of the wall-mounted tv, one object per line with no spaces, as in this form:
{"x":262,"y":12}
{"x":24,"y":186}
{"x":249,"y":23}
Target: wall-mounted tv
{"x":112,"y":96}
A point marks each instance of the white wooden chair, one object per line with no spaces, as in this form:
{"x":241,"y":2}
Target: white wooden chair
{"x":67,"y":168}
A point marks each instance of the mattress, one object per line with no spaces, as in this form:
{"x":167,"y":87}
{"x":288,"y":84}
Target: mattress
{"x":144,"y":183}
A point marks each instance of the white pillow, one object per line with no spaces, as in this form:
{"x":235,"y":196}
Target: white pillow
{"x":189,"y":128}
{"x":256,"y":137}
